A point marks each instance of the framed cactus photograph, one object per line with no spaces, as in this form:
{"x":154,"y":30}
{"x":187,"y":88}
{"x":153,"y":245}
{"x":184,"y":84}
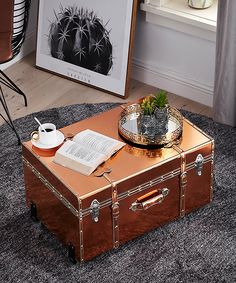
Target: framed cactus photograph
{"x":89,"y":41}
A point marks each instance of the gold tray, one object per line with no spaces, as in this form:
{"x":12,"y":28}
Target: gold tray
{"x":130,"y":129}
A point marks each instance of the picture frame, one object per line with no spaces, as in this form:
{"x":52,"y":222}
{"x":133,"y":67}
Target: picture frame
{"x":88,"y":41}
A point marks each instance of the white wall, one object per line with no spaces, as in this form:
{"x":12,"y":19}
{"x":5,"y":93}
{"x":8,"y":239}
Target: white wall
{"x":174,"y":61}
{"x":162,"y":57}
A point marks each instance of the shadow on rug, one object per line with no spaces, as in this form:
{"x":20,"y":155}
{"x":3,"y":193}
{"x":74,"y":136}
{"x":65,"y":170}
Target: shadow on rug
{"x":198,"y":248}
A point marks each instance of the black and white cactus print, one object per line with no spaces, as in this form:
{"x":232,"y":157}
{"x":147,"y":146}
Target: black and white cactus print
{"x":79,"y":37}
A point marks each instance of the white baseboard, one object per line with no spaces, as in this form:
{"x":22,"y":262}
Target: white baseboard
{"x":146,"y":73}
{"x":172,"y":82}
{"x":27,"y":47}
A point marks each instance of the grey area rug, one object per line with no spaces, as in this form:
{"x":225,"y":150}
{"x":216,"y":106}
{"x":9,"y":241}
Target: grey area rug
{"x":198,"y":248}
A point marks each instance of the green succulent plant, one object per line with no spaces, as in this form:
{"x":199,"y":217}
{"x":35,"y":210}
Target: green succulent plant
{"x":150,"y":103}
{"x":161,"y":100}
{"x":147,"y":105}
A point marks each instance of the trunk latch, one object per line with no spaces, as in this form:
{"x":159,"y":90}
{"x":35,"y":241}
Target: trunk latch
{"x":199,"y":164}
{"x":94,"y":210}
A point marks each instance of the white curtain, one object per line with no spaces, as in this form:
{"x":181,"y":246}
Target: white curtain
{"x":224,"y":101}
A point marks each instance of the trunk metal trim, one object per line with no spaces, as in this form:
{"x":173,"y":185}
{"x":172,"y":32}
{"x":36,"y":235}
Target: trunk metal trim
{"x":85,"y":212}
{"x":136,"y":189}
{"x":114,"y":210}
{"x":51,"y":187}
{"x":183,"y":179}
{"x":81,"y":235}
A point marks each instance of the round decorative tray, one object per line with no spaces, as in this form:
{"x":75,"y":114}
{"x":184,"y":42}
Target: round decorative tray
{"x":129,"y":127}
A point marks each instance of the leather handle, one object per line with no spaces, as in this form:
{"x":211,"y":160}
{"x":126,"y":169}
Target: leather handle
{"x":152,"y":198}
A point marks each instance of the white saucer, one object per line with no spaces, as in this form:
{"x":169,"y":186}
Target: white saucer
{"x":60,"y":139}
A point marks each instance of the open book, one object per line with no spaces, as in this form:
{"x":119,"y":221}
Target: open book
{"x":86,"y":151}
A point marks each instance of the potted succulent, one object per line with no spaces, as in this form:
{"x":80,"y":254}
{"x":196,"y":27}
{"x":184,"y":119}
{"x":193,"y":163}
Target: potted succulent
{"x":161,"y":107}
{"x":154,"y":115}
{"x":200,"y":4}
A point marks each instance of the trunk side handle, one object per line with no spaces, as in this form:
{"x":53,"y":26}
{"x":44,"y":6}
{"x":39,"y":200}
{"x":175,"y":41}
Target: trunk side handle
{"x":152,"y":198}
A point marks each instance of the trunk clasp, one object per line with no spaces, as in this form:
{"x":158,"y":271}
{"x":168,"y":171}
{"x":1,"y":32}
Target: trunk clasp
{"x":199,"y":164}
{"x":94,"y":210}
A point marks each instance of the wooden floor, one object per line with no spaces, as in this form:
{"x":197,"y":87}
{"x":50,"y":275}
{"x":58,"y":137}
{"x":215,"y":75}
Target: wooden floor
{"x":45,"y":90}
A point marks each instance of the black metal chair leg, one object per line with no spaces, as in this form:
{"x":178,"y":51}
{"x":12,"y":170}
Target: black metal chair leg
{"x":9,"y":121}
{"x":9,"y":83}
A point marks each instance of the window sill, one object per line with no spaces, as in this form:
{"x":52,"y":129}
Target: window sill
{"x":177,"y":15}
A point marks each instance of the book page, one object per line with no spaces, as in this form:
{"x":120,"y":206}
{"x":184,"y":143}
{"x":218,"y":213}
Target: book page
{"x":98,"y":142}
{"x":87,"y":151}
{"x":80,"y":153}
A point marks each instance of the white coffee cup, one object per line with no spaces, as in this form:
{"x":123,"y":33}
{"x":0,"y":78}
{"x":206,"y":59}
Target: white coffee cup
{"x":46,"y":134}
